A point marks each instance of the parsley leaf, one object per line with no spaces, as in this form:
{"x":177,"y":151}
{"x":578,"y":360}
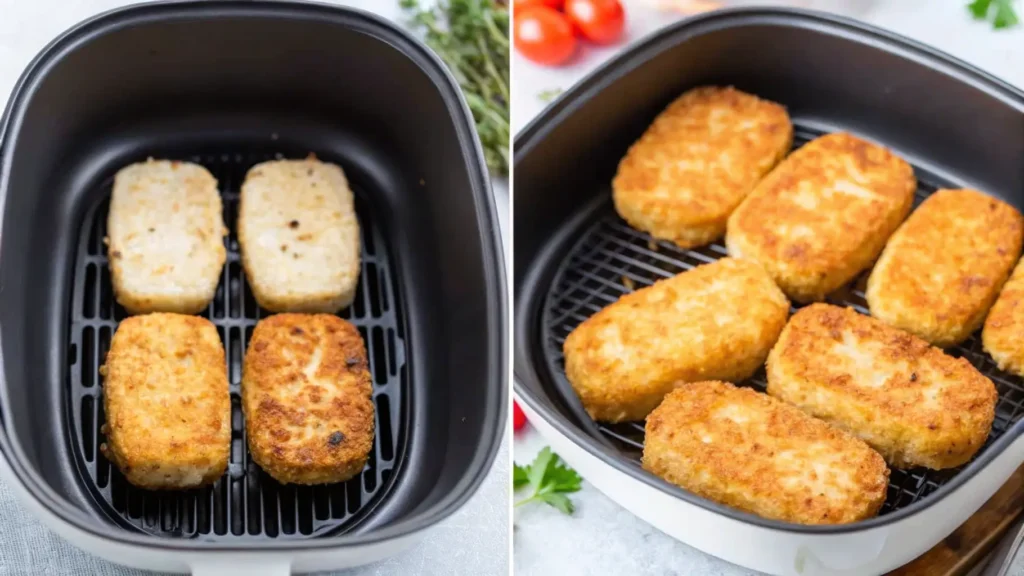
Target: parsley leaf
{"x":560,"y":501}
{"x":1003,"y":16}
{"x":550,"y":480}
{"x":520,"y":477}
{"x":540,"y":467}
{"x":979,"y":8}
{"x":549,"y":95}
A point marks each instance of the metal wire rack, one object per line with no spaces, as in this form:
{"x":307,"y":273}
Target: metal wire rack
{"x":246,"y":503}
{"x":611,"y":259}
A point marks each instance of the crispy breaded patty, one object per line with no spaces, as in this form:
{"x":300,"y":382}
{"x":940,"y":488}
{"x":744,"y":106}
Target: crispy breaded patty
{"x":166,"y":397}
{"x":943,"y":268}
{"x":1004,"y":326}
{"x":165,"y":237}
{"x":907,"y":399}
{"x":697,"y":161}
{"x":299,"y":236}
{"x":823,"y":214}
{"x":307,"y":398}
{"x":715,"y":321}
{"x":744,"y":449}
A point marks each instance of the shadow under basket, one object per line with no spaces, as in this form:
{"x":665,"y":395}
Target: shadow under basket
{"x":246,"y":502}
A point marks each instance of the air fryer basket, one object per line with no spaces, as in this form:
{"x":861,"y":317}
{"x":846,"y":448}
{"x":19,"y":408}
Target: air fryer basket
{"x":574,"y":255}
{"x":228,"y":85}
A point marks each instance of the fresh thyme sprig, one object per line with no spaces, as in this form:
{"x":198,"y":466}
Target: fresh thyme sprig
{"x":471,"y":36}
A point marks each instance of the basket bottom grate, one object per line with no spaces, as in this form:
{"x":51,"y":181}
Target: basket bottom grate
{"x":246,"y":503}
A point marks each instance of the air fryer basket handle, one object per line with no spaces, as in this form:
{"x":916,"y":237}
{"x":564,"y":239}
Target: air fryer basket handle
{"x":242,"y":565}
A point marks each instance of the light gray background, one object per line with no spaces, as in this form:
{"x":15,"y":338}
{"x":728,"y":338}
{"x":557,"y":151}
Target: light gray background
{"x":602,"y":537}
{"x":474,"y":541}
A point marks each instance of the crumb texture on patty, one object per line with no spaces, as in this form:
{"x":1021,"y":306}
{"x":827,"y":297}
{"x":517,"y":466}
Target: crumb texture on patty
{"x":823,"y":215}
{"x":307,"y":398}
{"x":695,"y":163}
{"x":299,"y":236}
{"x":167,"y":402}
{"x":1004,"y":327}
{"x":910,"y":401}
{"x":943,"y":268}
{"x":741,"y":448}
{"x":165,"y":235}
{"x":715,"y":321}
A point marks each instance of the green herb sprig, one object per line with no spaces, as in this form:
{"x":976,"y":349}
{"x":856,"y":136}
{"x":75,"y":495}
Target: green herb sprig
{"x":550,"y":480}
{"x":1001,"y":12}
{"x":471,"y":36}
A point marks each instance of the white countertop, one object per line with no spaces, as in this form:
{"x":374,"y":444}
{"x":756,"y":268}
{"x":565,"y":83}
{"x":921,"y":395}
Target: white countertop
{"x":473,"y":541}
{"x":602,"y":537}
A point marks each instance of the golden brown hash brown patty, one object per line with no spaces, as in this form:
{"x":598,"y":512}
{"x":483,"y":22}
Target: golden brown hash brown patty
{"x":1004,"y":327}
{"x":907,"y":399}
{"x":823,"y":214}
{"x":943,"y":268}
{"x":307,"y":398}
{"x":716,"y":321}
{"x":167,"y":402}
{"x":750,"y":451}
{"x":697,"y":161}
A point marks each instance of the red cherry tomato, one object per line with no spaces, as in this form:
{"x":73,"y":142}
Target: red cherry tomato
{"x":518,"y":417}
{"x":520,"y":4}
{"x":544,"y":35}
{"x":600,"y":21}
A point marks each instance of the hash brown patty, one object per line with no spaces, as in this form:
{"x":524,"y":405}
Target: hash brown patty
{"x":299,"y":236}
{"x":908,"y":400}
{"x":716,"y":321}
{"x":823,"y":214}
{"x":307,"y":398}
{"x":167,"y":402}
{"x":747,"y":450}
{"x":943,"y":268}
{"x":165,"y":233}
{"x":1001,"y":335}
{"x":697,"y":161}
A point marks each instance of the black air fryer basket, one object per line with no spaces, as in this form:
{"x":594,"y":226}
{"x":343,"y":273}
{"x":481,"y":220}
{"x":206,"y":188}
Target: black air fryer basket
{"x":227,"y":85}
{"x":573,"y":256}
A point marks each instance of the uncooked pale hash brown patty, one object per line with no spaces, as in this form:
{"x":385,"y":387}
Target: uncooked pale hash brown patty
{"x":750,"y":451}
{"x":716,"y":321}
{"x":165,"y":236}
{"x":299,"y":236}
{"x":697,"y":161}
{"x":908,"y":400}
{"x":823,"y":215}
{"x":167,"y":402}
{"x":943,"y":268}
{"x":307,"y":398}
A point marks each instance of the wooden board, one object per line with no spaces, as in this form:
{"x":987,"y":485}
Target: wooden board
{"x":960,"y":552}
